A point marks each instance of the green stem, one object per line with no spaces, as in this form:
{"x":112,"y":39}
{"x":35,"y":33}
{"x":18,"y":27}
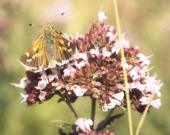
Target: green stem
{"x":93,"y":111}
{"x":130,"y":123}
{"x":66,"y":99}
{"x":71,"y":107}
{"x":109,"y":113}
{"x":144,"y":116}
{"x":104,"y":121}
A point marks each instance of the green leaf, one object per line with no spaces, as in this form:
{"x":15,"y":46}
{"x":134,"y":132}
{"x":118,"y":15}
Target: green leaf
{"x":64,"y":126}
{"x":108,"y":121}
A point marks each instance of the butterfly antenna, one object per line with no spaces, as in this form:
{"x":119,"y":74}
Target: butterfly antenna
{"x":34,"y":25}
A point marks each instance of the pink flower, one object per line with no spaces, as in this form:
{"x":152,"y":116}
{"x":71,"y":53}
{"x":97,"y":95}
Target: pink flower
{"x":106,"y":53}
{"x":144,"y":59}
{"x":155,"y":103}
{"x":111,"y":36}
{"x":113,"y":102}
{"x":69,"y":71}
{"x":95,"y":52}
{"x":79,"y":55}
{"x":120,"y":43}
{"x":80,"y":64}
{"x":153,"y":85}
{"x":137,"y":85}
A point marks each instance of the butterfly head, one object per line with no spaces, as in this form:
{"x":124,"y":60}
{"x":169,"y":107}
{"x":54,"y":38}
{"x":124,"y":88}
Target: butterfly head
{"x":48,"y":30}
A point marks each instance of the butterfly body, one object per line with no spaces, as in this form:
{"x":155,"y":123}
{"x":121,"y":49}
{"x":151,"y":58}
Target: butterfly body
{"x":50,"y":41}
{"x":47,"y":50}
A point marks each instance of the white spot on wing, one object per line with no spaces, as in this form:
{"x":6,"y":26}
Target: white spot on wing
{"x":27,"y":54}
{"x":29,"y":60}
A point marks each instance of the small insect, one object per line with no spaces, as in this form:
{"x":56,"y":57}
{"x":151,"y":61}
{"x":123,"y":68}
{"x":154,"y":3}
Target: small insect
{"x":47,"y":50}
{"x":62,"y":13}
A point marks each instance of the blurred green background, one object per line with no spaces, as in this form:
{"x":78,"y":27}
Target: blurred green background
{"x":146,"y":23}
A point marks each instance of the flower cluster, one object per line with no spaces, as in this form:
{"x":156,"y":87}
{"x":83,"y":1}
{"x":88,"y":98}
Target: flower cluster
{"x":93,"y":132}
{"x":83,"y":127}
{"x":96,"y":70}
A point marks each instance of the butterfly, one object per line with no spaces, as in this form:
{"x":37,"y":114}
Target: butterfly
{"x":47,"y":50}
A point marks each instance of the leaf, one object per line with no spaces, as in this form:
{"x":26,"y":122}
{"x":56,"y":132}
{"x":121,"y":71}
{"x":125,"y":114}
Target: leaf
{"x":64,"y":126}
{"x":108,"y":120}
{"x":61,"y":100}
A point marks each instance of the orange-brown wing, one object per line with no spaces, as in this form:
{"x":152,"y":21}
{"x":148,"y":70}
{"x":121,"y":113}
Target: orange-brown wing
{"x":35,"y":57}
{"x":64,"y":48}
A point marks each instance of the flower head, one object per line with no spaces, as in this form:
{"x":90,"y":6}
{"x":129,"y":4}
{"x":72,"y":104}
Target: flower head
{"x":96,"y":70}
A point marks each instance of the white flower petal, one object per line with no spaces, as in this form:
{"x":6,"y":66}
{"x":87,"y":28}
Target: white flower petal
{"x":24,"y":97}
{"x":144,"y":100}
{"x":111,"y":36}
{"x":106,"y":53}
{"x":112,"y":104}
{"x":124,"y":42}
{"x":125,"y":64}
{"x":137,"y":85}
{"x":84,"y":124}
{"x":44,"y":77}
{"x":51,"y":77}
{"x":120,"y":43}
{"x":79,"y":55}
{"x":95,"y":52}
{"x":43,"y":81}
{"x":101,"y":16}
{"x":80,"y":64}
{"x":156,"y":103}
{"x":134,"y":73}
{"x":119,"y":96}
{"x":79,"y":91}
{"x":22,"y":84}
{"x":69,"y":71}
{"x":144,"y":59}
{"x":143,"y":71}
{"x":58,"y":85}
{"x":42,"y":95}
{"x":153,"y":85}
{"x":41,"y":85}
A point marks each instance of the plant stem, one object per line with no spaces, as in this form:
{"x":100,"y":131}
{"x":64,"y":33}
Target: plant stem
{"x":144,"y":115}
{"x":93,"y":111}
{"x":66,"y":99}
{"x":130,"y":123}
{"x":104,"y":121}
{"x":72,"y":109}
{"x":109,"y":113}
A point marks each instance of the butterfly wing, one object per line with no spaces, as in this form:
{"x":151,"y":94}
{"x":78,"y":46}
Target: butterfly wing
{"x":64,"y":48}
{"x":35,"y":57}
